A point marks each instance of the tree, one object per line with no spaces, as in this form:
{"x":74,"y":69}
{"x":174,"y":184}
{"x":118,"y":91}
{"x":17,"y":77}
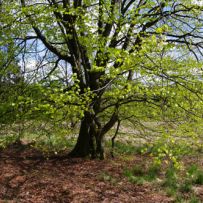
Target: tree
{"x":124,"y":54}
{"x":11,"y":78}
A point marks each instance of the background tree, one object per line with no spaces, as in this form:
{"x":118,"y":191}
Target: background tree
{"x":123,"y":53}
{"x":11,"y":77}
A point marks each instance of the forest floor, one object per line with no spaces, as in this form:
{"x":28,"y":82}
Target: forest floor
{"x":25,"y":178}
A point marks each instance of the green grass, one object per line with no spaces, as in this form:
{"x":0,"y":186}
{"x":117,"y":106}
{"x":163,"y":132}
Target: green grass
{"x":5,"y":141}
{"x":186,"y":186}
{"x":179,"y":184}
{"x":195,"y":174}
{"x":199,"y":177}
{"x":139,"y":174}
{"x":194,"y":199}
{"x":125,"y":149}
{"x":191,"y":199}
{"x":175,"y":183}
{"x":153,"y":172}
{"x":171,"y":180}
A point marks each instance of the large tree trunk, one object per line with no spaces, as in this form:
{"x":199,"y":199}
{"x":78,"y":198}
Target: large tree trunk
{"x":100,"y":146}
{"x":90,"y":130}
{"x":89,"y":136}
{"x":84,"y":141}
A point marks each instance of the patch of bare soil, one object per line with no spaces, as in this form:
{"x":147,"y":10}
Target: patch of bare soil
{"x":68,"y":180}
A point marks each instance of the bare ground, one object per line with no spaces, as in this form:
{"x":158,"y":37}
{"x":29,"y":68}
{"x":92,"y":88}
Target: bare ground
{"x":34,"y":180}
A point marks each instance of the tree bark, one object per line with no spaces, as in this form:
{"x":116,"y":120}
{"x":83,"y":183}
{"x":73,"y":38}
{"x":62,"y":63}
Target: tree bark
{"x":90,"y":130}
{"x":100,"y":146}
{"x":84,"y":143}
{"x":90,"y":140}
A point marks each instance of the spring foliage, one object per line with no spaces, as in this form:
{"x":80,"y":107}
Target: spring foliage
{"x":116,"y":60}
